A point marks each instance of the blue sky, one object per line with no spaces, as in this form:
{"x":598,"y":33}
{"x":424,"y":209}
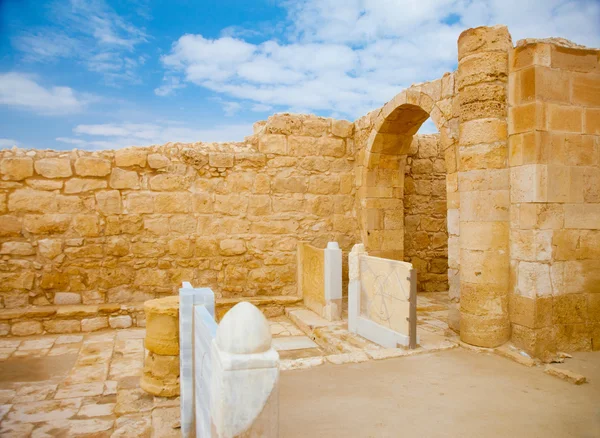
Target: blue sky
{"x":97,"y":74}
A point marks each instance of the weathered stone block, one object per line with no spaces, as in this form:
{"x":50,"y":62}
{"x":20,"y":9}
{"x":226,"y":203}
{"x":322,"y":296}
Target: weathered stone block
{"x":121,"y":321}
{"x":230,"y":247}
{"x":54,"y":167}
{"x":130,"y":157}
{"x":79,"y":185}
{"x":16,"y":168}
{"x":93,"y":324}
{"x":173,"y":202}
{"x":46,"y":223}
{"x":220,"y":160}
{"x":92,"y":166}
{"x":124,"y":179}
{"x":109,"y":202}
{"x":272,"y":144}
{"x":158,"y":161}
{"x":26,"y":328}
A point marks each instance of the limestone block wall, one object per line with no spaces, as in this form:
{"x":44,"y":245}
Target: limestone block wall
{"x":425,"y":211}
{"x":554,"y":127}
{"x":129,"y":225}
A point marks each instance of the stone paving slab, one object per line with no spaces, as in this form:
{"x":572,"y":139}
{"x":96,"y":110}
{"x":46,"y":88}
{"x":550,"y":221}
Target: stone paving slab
{"x":88,"y":384}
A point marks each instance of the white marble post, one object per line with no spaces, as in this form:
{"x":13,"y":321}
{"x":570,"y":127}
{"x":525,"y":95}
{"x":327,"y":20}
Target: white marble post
{"x":245,"y":376}
{"x":332,"y":310}
{"x":188,"y":299}
{"x":354,"y":285}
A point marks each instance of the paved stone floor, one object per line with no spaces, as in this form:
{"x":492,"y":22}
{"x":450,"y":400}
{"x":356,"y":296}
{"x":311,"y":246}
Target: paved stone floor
{"x":78,"y":385}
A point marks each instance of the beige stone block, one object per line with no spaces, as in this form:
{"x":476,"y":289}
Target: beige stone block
{"x":16,"y":168}
{"x":62,"y":298}
{"x":482,"y":67}
{"x":141,"y":202}
{"x":230,"y":247}
{"x":26,"y":328}
{"x":592,"y":121}
{"x":259,"y":205}
{"x":289,"y":184}
{"x":485,"y":179}
{"x":47,"y":223}
{"x":573,"y":337}
{"x":86,"y":225}
{"x":262,"y":184}
{"x":158,"y":161}
{"x":121,"y":321}
{"x":484,"y":206}
{"x":526,"y":117}
{"x":109,"y":202}
{"x":482,"y":131}
{"x":586,"y":89}
{"x":331,"y":147}
{"x":484,"y":331}
{"x":92,"y":166}
{"x":533,"y":279}
{"x":565,"y":118}
{"x":169,"y":182}
{"x":44,"y":184}
{"x":162,"y":325}
{"x":14,"y":280}
{"x":531,"y":54}
{"x":584,"y":216}
{"x":131,"y":157}
{"x":483,"y":39}
{"x":222,"y":160}
{"x":50,"y":248}
{"x":93,"y":324}
{"x":62,"y":326}
{"x":558,"y":183}
{"x":484,"y":267}
{"x":17,"y":248}
{"x":53,"y":167}
{"x":321,"y":205}
{"x":27,"y":200}
{"x":80,"y":185}
{"x":590,"y":185}
{"x":483,"y":156}
{"x":484,"y":299}
{"x":173,"y":202}
{"x":303,"y":146}
{"x":570,"y":309}
{"x":233,"y":204}
{"x":530,"y":312}
{"x":542,"y":83}
{"x":342,"y":128}
{"x":124,"y":179}
{"x":484,"y":236}
{"x":529,"y":183}
{"x":324,"y":184}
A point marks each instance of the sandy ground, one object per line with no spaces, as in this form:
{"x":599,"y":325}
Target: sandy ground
{"x":456,"y":393}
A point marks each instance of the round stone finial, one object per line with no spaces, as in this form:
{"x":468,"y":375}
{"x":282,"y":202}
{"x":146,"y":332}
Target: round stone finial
{"x":244,"y":330}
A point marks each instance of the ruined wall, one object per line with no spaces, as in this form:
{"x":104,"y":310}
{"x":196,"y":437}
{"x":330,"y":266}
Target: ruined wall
{"x":127,"y":226}
{"x":554,"y":128}
{"x":425,"y":231}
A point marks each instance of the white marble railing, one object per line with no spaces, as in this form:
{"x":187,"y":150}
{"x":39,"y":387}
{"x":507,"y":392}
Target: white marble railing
{"x":235,"y":371}
{"x":382,"y":299}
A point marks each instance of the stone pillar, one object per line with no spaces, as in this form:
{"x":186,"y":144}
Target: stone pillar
{"x":244,"y":388}
{"x":483,"y":182}
{"x":161,"y":366}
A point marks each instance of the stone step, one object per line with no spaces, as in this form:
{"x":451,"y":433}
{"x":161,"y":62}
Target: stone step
{"x":75,"y":318}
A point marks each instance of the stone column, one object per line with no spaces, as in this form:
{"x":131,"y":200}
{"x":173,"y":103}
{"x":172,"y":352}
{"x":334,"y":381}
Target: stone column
{"x":483,"y":182}
{"x":161,"y":366}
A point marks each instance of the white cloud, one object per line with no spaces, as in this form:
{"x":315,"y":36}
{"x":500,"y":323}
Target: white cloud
{"x":23,"y":91}
{"x":118,"y":135}
{"x":88,"y":31}
{"x":8,"y":143}
{"x":350,"y":56}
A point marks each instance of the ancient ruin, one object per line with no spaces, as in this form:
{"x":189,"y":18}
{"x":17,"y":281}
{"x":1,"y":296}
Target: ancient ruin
{"x":501,"y":209}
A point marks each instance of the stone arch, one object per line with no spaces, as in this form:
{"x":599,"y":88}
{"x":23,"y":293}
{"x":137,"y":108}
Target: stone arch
{"x":381,"y":193}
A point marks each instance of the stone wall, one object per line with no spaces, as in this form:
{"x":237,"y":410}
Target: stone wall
{"x":425,"y":232}
{"x":129,"y":225}
{"x":554,"y":128}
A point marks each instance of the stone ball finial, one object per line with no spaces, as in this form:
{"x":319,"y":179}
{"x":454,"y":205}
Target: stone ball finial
{"x":244,"y":330}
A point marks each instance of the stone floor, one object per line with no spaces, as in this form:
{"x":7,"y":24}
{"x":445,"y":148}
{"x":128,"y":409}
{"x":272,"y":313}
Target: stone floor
{"x":78,"y":385}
